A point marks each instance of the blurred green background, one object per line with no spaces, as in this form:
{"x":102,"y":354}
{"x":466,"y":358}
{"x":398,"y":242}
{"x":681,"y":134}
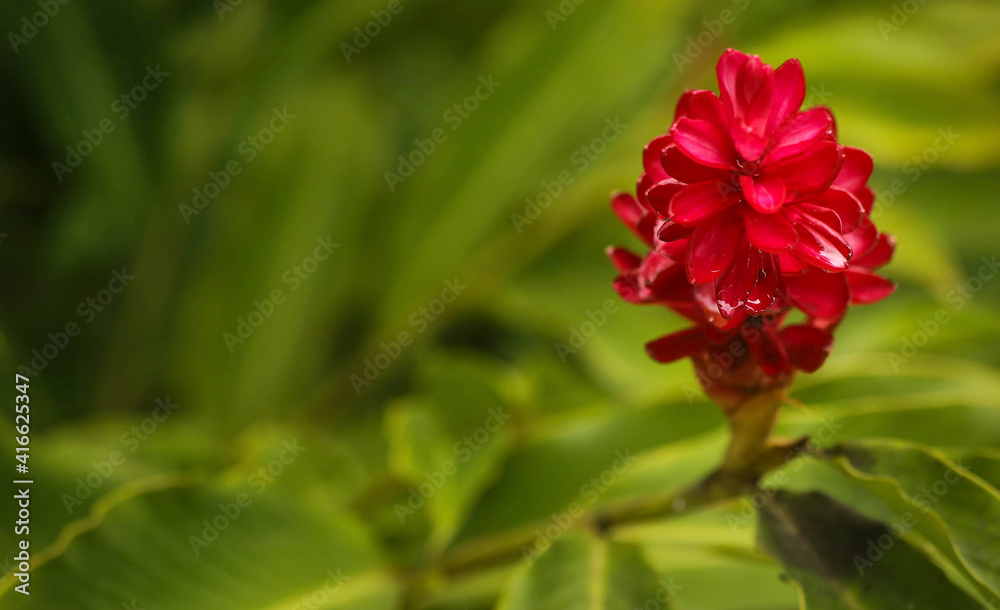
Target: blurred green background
{"x":269,"y":126}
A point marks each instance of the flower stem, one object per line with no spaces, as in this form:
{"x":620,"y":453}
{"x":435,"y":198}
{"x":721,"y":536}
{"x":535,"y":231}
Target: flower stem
{"x":751,"y":425}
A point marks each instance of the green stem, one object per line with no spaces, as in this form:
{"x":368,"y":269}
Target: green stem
{"x":490,"y":550}
{"x":751,"y":425}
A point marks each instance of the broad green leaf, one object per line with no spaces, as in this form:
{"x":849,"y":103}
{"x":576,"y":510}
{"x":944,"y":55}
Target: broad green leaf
{"x":266,"y":555}
{"x":985,"y":463}
{"x":824,"y":547}
{"x":446,"y":473}
{"x":449,"y":442}
{"x":938,"y":499}
{"x":581,"y":571}
{"x":700,"y":550}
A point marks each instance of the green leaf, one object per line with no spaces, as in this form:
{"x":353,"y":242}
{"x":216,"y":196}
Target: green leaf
{"x":447,"y":472}
{"x":823,"y":545}
{"x":595,"y":458}
{"x":449,"y":442}
{"x":700,"y":550}
{"x":948,"y":505}
{"x":581,"y":571}
{"x":985,"y":463}
{"x":269,"y":554}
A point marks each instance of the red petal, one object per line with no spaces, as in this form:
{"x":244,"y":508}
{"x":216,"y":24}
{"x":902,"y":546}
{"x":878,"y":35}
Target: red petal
{"x":707,"y":300}
{"x":770,"y":232}
{"x":855,"y":171}
{"x":746,"y":86}
{"x":818,"y":294}
{"x":674,"y":250}
{"x":706,"y":106}
{"x":864,"y":238}
{"x":734,"y":287}
{"x":803,"y":132}
{"x":847,"y":207}
{"x":749,"y":142}
{"x":727,"y":71}
{"x":790,"y":265}
{"x":820,"y":250}
{"x":665,"y":281}
{"x":811,"y":172}
{"x":660,"y":194}
{"x":652,"y":156}
{"x":703,"y":143}
{"x":623,"y":260}
{"x":866,"y":196}
{"x":807,"y":346}
{"x":696,"y":202}
{"x":789,"y":93}
{"x":765,"y":290}
{"x":676,"y":346}
{"x":713,"y":245}
{"x":627,"y":287}
{"x":867,"y":287}
{"x":754,"y":91}
{"x":683,"y":108}
{"x":765,"y":193}
{"x":824,"y":219}
{"x":671,"y":231}
{"x":766,"y":349}
{"x":880,"y":254}
{"x":684,"y":169}
{"x":628,"y":210}
{"x":690,"y":311}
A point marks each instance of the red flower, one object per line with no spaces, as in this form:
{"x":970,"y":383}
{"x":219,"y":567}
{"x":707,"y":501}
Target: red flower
{"x":738,"y":355}
{"x":751,"y":208}
{"x":757,"y":188}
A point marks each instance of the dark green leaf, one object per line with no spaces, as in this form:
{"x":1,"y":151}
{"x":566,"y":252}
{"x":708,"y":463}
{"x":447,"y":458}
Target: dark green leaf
{"x":826,"y":549}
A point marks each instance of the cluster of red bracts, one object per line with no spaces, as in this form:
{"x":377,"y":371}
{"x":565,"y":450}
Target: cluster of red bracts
{"x":752,"y":209}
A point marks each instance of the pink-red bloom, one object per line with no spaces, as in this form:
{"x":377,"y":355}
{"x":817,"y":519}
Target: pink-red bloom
{"x":750,"y":208}
{"x":734,"y":357}
{"x":756,"y":187}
